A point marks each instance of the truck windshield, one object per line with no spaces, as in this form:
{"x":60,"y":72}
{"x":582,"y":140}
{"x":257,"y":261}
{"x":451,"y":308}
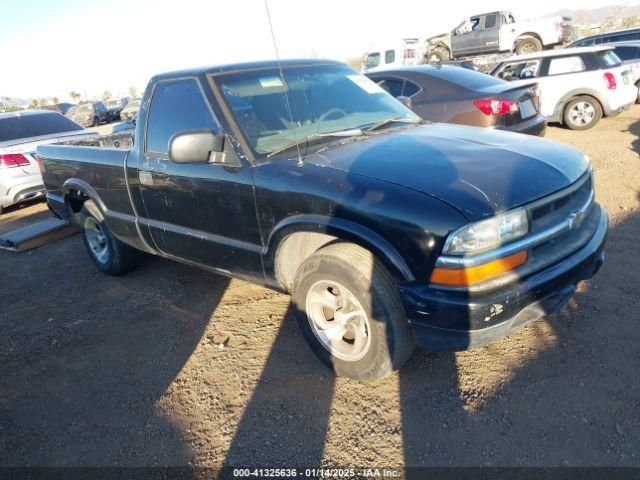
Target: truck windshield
{"x":320,"y":99}
{"x":16,"y":126}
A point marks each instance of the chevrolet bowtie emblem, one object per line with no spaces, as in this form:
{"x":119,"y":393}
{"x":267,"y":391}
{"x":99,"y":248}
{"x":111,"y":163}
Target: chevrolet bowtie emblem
{"x":576,"y":218}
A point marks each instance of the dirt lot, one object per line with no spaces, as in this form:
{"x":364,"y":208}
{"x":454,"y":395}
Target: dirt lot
{"x":171,"y":365}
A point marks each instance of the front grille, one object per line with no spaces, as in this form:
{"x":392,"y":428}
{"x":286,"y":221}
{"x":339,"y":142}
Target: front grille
{"x":556,"y":208}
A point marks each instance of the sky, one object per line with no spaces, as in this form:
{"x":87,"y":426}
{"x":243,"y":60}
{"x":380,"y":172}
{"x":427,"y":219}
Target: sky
{"x":51,"y":47}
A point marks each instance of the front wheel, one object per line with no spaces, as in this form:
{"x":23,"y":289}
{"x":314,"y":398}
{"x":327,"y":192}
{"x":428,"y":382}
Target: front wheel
{"x":108,"y":253}
{"x":582,"y":113}
{"x":350,"y":313}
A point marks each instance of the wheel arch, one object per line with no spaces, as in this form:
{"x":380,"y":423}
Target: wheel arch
{"x":295,"y":239}
{"x":525,"y":35}
{"x":567,"y":97}
{"x":76,"y":193}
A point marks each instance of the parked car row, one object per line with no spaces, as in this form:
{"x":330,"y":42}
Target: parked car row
{"x":572,"y":86}
{"x":20,"y":134}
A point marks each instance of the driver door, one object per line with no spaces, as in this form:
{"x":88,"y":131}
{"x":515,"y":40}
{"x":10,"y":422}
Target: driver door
{"x":200,"y":212}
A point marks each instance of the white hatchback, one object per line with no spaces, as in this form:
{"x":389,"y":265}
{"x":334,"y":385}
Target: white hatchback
{"x":577,"y":86}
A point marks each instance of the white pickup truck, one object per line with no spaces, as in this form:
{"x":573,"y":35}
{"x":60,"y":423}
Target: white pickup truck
{"x":497,"y":32}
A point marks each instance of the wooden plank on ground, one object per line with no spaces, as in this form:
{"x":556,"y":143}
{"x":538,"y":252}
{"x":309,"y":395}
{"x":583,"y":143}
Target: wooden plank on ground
{"x":35,"y":235}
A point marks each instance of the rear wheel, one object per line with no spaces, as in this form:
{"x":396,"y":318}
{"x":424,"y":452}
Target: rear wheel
{"x":108,"y":253}
{"x":96,"y":122}
{"x":582,"y":113}
{"x":350,"y":313}
{"x":528,"y":45}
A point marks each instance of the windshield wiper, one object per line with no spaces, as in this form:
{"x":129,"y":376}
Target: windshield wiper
{"x":389,"y":121}
{"x":353,"y":132}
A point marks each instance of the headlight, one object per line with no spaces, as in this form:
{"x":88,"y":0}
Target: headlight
{"x":488,"y":234}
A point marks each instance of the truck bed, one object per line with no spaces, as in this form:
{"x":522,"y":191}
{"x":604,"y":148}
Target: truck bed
{"x":96,"y":163}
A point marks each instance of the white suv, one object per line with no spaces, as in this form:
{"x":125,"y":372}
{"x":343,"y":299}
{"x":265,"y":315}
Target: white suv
{"x":577,"y":86}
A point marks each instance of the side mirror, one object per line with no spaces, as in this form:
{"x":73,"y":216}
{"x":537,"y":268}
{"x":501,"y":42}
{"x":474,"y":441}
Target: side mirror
{"x":406,"y":101}
{"x":200,"y":146}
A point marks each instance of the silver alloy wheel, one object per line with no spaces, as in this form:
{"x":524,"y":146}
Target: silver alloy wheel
{"x":338,"y":320}
{"x":582,"y":113}
{"x":96,"y":239}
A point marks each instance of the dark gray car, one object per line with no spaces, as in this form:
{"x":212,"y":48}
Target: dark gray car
{"x":89,"y":114}
{"x":453,"y":94}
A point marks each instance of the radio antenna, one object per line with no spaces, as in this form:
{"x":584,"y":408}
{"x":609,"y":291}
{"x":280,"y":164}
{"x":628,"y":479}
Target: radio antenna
{"x":284,"y":85}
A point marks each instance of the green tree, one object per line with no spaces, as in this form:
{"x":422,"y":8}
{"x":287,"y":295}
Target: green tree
{"x":106,"y":96}
{"x":75,"y":96}
{"x":55,"y":100}
{"x":133,"y":92}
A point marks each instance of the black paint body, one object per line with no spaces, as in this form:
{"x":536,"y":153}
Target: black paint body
{"x":398,"y":192}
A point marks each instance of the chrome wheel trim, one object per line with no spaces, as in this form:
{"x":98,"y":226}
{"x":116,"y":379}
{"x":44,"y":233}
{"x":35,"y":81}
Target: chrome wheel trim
{"x":338,"y":320}
{"x":582,"y":113}
{"x":96,"y":239}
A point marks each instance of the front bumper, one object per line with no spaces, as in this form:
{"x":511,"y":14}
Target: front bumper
{"x":457,"y":320}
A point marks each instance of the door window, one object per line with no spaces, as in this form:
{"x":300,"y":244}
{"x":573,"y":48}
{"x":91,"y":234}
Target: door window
{"x":373,"y":60}
{"x":392,"y":85}
{"x":410,"y":89}
{"x":519,"y":70}
{"x":176,"y":106}
{"x":389,"y":56}
{"x":563,"y":65}
{"x":627,"y":53}
{"x":490,"y":21}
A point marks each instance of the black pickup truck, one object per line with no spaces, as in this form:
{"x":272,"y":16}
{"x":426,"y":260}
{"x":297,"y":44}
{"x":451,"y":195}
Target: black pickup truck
{"x":307,"y":177}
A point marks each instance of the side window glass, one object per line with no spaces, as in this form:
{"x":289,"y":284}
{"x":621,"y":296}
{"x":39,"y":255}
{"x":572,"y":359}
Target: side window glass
{"x":392,"y":85}
{"x":410,"y":89}
{"x":563,"y":65}
{"x":373,"y":60}
{"x":490,"y":21}
{"x":176,"y":106}
{"x":389,"y":56}
{"x":520,"y":70}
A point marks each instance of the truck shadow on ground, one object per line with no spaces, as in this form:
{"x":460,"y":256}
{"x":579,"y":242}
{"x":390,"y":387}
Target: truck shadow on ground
{"x":102,"y":366}
{"x":551,"y":406}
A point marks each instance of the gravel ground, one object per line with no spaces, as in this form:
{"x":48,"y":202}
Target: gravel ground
{"x":171,"y":365}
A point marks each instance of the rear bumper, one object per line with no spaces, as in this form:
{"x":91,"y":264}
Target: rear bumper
{"x":452,"y":320}
{"x":535,"y":126}
{"x":610,"y":112}
{"x":20,"y":188}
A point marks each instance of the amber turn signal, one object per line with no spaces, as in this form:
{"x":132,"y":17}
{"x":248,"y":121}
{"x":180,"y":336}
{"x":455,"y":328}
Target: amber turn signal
{"x":458,"y":277}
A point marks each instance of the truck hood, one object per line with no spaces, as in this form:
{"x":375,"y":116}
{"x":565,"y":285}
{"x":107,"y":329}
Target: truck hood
{"x":476,"y":170}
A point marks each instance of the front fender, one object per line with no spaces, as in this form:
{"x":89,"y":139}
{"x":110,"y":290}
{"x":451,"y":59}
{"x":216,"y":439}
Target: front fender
{"x":342,"y":229}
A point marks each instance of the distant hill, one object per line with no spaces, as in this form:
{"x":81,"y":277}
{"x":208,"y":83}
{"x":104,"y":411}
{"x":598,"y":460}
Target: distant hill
{"x":596,"y":16}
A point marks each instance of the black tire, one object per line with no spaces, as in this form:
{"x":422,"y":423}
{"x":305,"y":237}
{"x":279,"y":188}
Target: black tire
{"x":120,"y":258}
{"x":528,"y":45}
{"x":96,"y":122}
{"x":439,"y":54}
{"x":578,"y":124}
{"x":391,"y":340}
{"x":638,"y":97}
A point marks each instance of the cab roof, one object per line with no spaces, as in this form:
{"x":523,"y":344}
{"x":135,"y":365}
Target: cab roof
{"x":233,"y":67}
